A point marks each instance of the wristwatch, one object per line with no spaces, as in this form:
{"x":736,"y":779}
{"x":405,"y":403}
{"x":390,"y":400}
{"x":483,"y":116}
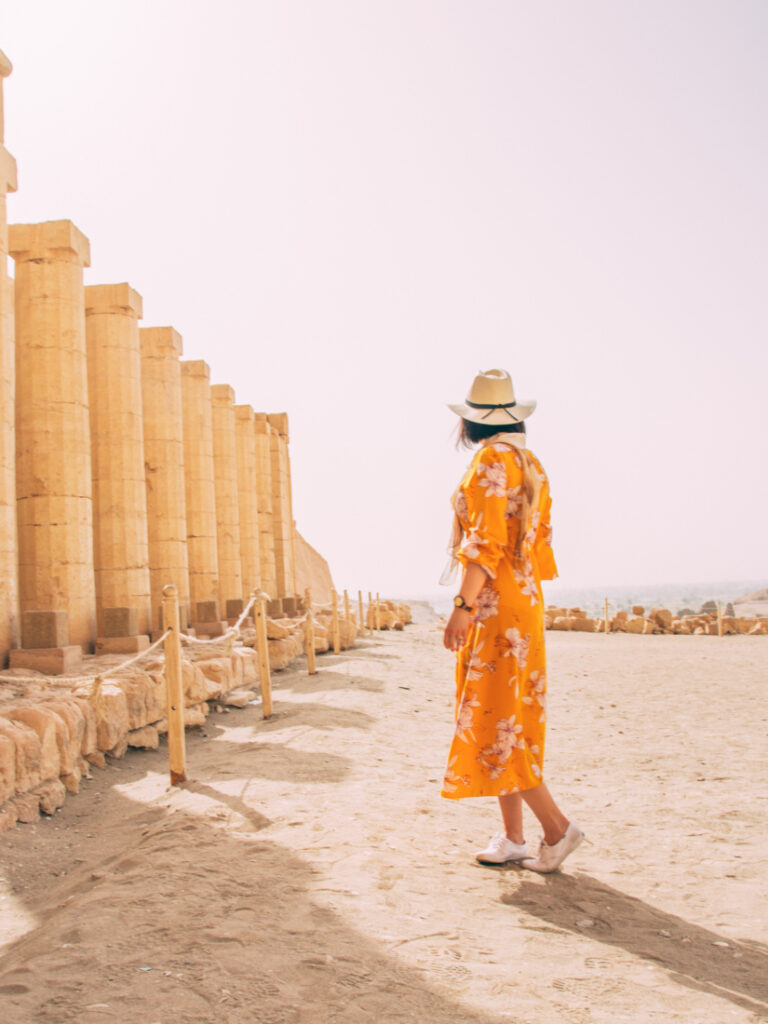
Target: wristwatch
{"x":459,"y":602}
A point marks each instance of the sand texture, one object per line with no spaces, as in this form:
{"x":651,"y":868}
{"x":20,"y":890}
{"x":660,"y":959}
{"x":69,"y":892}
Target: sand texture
{"x":310,"y":872}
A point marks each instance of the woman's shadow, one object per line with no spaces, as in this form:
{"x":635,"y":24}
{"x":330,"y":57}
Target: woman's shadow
{"x":732,"y":969}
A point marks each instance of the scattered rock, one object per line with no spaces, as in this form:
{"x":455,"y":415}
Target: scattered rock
{"x":71,"y":780}
{"x":195,"y":715}
{"x":562,"y":622}
{"x":8,"y":816}
{"x":661,"y":616}
{"x":27,"y":807}
{"x":146,"y":738}
{"x":51,"y":796}
{"x":238,"y":698}
{"x":635,"y":625}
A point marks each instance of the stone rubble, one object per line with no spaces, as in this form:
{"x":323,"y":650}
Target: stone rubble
{"x":657,"y":620}
{"x":52,"y":732}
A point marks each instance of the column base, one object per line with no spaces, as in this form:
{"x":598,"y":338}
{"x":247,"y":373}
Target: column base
{"x":215,"y":628}
{"x":121,"y":644}
{"x":275,"y":608}
{"x":53,"y":661}
{"x":247,"y":622}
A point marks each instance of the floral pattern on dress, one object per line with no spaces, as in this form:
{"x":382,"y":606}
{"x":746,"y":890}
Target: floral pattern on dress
{"x":537,"y":692}
{"x":487,"y":603}
{"x":460,"y":504}
{"x":498,"y":742}
{"x":470,"y":546}
{"x":526,"y":581}
{"x":533,"y":526}
{"x":495,"y":756}
{"x":514,"y":502}
{"x":476,"y":667}
{"x":465,"y":717}
{"x":494,"y":479}
{"x":513,"y":644}
{"x":452,"y":781}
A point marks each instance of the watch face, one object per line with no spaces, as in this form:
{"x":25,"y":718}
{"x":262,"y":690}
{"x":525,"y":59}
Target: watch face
{"x":459,"y":601}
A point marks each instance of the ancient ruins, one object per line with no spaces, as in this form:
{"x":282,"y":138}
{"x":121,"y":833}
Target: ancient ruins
{"x":123,"y":468}
{"x":124,"y":474}
{"x":705,"y":622}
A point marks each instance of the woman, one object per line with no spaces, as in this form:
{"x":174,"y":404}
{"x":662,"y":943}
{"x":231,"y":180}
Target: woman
{"x":502,"y":540}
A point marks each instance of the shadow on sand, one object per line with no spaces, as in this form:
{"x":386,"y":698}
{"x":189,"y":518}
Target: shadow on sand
{"x":694,"y":956}
{"x":165,"y":914}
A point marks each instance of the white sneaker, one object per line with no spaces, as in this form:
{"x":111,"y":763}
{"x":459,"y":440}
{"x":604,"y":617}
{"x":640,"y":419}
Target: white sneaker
{"x":500,"y":850}
{"x":551,"y":857}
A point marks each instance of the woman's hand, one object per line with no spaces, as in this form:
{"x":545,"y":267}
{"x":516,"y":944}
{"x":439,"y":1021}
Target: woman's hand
{"x":456,"y":631}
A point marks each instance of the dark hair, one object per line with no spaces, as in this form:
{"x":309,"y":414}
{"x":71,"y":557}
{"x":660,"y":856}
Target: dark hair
{"x":470,"y":434}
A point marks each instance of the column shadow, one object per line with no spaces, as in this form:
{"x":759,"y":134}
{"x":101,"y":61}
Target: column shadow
{"x":163,"y":913}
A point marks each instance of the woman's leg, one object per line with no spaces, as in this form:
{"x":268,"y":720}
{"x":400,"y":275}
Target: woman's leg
{"x":511,"y":805}
{"x":542,"y":803}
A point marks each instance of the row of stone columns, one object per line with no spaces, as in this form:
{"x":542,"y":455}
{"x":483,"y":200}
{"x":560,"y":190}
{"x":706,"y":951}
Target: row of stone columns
{"x":121,"y":468}
{"x":131,"y":470}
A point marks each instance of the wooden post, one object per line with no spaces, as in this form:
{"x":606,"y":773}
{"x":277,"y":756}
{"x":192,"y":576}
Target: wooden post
{"x":262,"y":645}
{"x":607,"y":621}
{"x":377,"y":613}
{"x":370,"y":614}
{"x":310,"y":634}
{"x":361,"y":625}
{"x":177,"y":755}
{"x":335,"y":624}
{"x":347,"y":612}
{"x":719,"y":618}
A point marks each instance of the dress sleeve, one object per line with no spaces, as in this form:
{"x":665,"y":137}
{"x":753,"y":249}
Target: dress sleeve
{"x":485,"y":525}
{"x":542,"y":547}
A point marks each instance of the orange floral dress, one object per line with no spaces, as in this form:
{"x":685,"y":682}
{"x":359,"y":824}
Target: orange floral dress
{"x":498,"y":745}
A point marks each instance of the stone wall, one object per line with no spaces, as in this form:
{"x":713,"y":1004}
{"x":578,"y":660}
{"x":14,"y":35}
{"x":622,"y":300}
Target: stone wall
{"x":312,"y":571}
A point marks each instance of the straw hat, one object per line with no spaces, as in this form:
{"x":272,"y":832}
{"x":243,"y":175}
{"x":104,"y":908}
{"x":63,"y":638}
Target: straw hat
{"x":491,"y":400}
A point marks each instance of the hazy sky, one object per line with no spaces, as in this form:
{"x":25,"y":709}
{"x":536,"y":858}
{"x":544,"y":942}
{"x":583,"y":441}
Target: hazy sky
{"x":348,"y":208}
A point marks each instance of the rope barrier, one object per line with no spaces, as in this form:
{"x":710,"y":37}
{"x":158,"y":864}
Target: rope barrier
{"x":233,"y":631}
{"x":227,"y":637}
{"x":73,"y":680}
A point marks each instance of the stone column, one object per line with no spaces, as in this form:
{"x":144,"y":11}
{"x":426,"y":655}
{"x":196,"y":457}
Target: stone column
{"x":261,"y":431}
{"x":282,"y":512}
{"x":164,"y":467}
{"x":9,"y":591}
{"x":120,"y":545}
{"x":247,"y":490}
{"x":53,"y":435}
{"x":202,"y":538}
{"x":227,"y":501}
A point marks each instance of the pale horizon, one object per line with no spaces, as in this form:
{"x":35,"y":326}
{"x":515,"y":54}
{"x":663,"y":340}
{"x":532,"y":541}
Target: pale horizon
{"x":349,"y":210}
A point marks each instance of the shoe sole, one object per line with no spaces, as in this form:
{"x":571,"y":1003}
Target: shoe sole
{"x":499,"y":863}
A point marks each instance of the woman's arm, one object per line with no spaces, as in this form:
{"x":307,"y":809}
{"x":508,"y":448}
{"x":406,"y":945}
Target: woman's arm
{"x":473,"y":580}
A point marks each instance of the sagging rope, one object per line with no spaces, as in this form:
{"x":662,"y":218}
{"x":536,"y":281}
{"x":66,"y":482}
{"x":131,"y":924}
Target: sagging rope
{"x":74,"y":680}
{"x":234,"y":631}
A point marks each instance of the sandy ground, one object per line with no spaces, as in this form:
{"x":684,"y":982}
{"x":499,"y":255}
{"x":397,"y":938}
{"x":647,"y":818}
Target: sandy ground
{"x":310,"y":872}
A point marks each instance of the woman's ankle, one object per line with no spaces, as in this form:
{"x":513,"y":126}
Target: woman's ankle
{"x":555,"y":834}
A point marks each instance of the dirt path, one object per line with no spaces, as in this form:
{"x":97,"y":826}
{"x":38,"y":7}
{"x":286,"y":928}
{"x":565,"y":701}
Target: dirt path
{"x":310,"y":872}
